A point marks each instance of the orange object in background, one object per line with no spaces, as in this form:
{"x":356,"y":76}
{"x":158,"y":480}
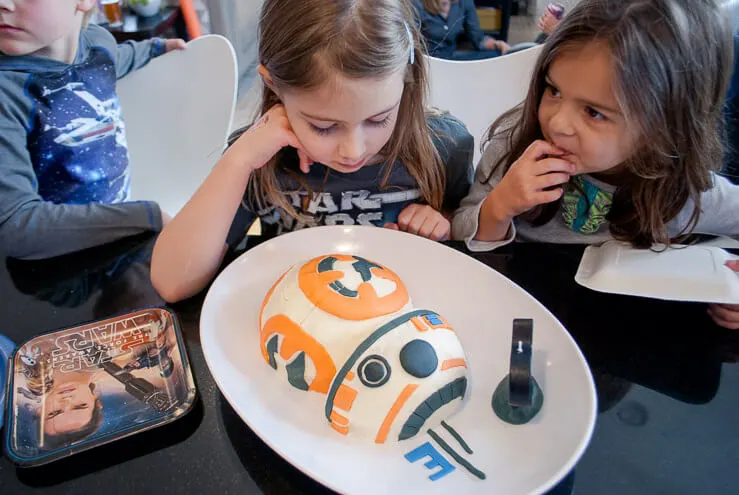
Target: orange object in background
{"x":113,"y":12}
{"x":191,"y":19}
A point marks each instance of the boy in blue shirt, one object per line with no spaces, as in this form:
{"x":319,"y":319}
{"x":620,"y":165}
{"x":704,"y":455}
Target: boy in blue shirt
{"x":64,"y":173}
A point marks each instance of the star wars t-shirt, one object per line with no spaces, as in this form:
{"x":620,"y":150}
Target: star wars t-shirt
{"x":360,"y":198}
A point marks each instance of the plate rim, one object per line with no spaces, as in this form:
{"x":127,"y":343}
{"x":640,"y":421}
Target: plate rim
{"x":592,"y":396}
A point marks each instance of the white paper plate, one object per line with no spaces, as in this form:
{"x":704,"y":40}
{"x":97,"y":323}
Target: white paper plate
{"x":682,"y":273}
{"x":478,"y":302}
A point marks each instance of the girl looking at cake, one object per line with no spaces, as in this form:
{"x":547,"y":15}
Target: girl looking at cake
{"x":344,"y":138}
{"x":619,"y":136}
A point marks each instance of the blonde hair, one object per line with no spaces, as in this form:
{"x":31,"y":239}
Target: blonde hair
{"x":357,"y":39}
{"x":671,"y":63}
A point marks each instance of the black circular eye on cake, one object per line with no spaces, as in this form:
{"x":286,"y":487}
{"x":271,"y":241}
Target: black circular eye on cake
{"x":374,"y":371}
{"x":418,"y":358}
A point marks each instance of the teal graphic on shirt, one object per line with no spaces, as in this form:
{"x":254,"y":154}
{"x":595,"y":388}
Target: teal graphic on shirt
{"x":585,"y":206}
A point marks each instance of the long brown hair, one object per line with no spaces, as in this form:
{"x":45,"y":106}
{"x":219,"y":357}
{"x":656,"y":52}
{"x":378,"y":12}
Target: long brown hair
{"x":303,"y":43}
{"x":671,"y":63}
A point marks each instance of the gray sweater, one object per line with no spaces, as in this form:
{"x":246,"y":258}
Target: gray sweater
{"x":720,"y":211}
{"x":64,"y":174}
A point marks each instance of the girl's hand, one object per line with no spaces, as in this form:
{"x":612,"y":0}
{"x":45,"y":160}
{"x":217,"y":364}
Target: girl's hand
{"x":726,"y":315}
{"x":422,"y":220}
{"x":171,"y":45}
{"x":502,"y":46}
{"x":547,"y":23}
{"x":532,"y":180}
{"x":493,"y":44}
{"x":264,"y":139}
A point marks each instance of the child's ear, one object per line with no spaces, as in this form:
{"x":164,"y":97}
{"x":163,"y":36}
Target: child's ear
{"x":266,"y":77}
{"x":85,"y":6}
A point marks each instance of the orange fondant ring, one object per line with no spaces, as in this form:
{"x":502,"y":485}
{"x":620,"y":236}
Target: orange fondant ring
{"x":322,"y":285}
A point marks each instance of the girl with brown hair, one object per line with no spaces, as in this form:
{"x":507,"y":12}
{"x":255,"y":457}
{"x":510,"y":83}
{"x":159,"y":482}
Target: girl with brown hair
{"x":619,"y":136}
{"x":344,"y":138}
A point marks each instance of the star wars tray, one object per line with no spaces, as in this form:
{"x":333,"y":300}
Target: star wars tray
{"x":77,"y":388}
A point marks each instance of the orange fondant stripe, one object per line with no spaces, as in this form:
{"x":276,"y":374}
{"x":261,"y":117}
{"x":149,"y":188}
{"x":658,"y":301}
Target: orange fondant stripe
{"x":294,"y":340}
{"x":344,"y":430}
{"x":338,"y":419}
{"x":349,"y":376}
{"x":345,"y":396}
{"x":419,"y":324}
{"x":453,"y":363}
{"x":388,"y":422}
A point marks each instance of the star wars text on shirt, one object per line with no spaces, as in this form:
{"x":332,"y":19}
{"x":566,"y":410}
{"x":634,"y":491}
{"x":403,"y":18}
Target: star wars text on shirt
{"x":361,"y":207}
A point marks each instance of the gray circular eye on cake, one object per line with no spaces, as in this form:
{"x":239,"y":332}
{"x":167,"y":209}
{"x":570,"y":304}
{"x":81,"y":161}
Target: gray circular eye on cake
{"x":374,"y":371}
{"x":418,"y":358}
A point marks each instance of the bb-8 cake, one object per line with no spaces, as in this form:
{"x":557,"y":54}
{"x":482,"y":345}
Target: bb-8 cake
{"x":345,"y":327}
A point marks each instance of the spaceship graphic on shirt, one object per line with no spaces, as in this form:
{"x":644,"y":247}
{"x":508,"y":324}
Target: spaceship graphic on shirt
{"x":85,"y":130}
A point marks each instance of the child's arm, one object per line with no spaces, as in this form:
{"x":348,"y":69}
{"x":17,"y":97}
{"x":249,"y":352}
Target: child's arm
{"x":719,"y":210}
{"x":31,"y":228}
{"x":191,"y":247}
{"x":726,"y":315}
{"x":131,"y":55}
{"x":485,"y":218}
{"x":466,"y":221}
{"x":719,"y":215}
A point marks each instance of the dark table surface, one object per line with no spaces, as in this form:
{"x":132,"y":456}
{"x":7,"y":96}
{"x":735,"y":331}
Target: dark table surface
{"x":668,"y":385}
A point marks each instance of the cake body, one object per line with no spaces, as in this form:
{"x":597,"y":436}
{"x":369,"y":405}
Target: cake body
{"x":346,"y":327}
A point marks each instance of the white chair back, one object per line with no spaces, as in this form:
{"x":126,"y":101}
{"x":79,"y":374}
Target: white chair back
{"x":478,"y":92}
{"x":178,"y":112}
